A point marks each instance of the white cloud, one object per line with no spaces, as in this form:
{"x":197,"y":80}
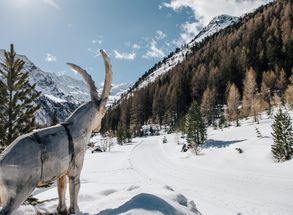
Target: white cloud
{"x":50,"y":58}
{"x":97,"y":41}
{"x":136,"y":46}
{"x":154,"y":51}
{"x":160,"y":35}
{"x":204,"y":11}
{"x":189,"y":31}
{"x":124,"y":55}
{"x":51,"y":3}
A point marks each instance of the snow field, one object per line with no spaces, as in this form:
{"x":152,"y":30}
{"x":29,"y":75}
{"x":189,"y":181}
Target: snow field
{"x":149,"y":177}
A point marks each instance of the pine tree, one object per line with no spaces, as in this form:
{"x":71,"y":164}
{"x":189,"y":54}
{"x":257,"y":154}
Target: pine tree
{"x":195,"y":127}
{"x":121,"y":134}
{"x":17,"y":99}
{"x":282,"y":148}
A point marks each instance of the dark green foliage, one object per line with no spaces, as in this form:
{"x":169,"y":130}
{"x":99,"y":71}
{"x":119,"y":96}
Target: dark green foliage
{"x":17,"y":98}
{"x":121,"y":134}
{"x":222,"y":120}
{"x":195,"y":127}
{"x":282,"y":148}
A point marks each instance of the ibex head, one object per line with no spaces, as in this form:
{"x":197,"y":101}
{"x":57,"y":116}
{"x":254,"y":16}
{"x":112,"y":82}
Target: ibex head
{"x":100,"y":101}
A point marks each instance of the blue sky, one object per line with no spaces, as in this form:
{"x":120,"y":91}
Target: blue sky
{"x":135,"y":33}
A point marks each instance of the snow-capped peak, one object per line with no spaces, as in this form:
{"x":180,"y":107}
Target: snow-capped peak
{"x":216,"y":24}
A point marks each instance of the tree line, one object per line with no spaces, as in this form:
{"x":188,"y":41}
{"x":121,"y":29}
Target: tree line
{"x":237,"y":72}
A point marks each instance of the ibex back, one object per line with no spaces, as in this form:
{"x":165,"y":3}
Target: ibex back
{"x":53,"y":153}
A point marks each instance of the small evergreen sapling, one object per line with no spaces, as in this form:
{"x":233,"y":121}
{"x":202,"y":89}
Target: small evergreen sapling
{"x":121,"y":134}
{"x":17,"y":108}
{"x":282,"y":148}
{"x":195,"y":127}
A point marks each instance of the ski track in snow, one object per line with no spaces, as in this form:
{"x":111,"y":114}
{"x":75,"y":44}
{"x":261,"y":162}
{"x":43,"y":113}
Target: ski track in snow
{"x":225,"y":191}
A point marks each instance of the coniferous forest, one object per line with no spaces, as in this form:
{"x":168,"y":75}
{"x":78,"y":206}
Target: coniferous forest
{"x":255,"y":56}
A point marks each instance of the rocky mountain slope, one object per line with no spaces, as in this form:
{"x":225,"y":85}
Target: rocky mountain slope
{"x":215,"y":25}
{"x":61,"y":94}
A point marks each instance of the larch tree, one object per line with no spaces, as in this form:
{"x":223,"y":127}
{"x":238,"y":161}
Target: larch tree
{"x":17,"y":99}
{"x":208,"y":103}
{"x":233,"y":101}
{"x":288,"y":95}
{"x":249,"y":91}
{"x":256,"y":107}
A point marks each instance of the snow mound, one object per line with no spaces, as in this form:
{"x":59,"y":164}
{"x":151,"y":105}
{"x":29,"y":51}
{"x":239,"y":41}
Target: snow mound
{"x":144,"y":203}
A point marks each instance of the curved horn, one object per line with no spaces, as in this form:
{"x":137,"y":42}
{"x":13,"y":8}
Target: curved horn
{"x":108,"y":79}
{"x":88,"y":79}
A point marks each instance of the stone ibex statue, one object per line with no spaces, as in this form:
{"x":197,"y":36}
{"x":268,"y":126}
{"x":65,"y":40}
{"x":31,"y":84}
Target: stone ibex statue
{"x":53,"y":153}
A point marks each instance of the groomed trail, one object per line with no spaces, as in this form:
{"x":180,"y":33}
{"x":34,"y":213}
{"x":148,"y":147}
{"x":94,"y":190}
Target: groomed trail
{"x":215,"y":190}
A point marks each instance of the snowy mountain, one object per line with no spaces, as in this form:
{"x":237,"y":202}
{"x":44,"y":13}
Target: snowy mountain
{"x":218,"y":23}
{"x":116,"y":91}
{"x":61,"y":94}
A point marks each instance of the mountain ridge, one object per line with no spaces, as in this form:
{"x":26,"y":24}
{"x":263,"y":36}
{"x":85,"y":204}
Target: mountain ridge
{"x":215,"y":25}
{"x":61,"y":94}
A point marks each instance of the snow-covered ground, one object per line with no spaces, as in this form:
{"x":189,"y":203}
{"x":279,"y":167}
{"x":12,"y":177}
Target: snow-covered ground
{"x":149,"y":177}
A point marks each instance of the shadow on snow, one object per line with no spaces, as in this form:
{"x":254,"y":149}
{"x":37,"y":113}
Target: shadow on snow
{"x":220,"y":143}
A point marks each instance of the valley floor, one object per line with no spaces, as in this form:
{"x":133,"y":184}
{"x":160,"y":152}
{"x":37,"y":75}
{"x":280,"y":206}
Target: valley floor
{"x":149,"y":177}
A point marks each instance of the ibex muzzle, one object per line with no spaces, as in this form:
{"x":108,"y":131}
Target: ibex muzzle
{"x":53,"y":153}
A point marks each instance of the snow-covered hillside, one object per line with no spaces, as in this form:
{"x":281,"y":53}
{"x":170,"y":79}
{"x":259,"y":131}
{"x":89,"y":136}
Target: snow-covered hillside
{"x":218,"y":23}
{"x":149,"y":177}
{"x":61,"y":94}
{"x":116,"y":91}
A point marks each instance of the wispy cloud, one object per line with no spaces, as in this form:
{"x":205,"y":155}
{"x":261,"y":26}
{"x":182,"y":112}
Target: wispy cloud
{"x":50,"y":58}
{"x":96,"y":53}
{"x":205,"y":11}
{"x":160,"y":35}
{"x":52,"y":3}
{"x":188,"y":32}
{"x":97,"y":41}
{"x":124,"y":55}
{"x":135,"y":46}
{"x":154,"y":51}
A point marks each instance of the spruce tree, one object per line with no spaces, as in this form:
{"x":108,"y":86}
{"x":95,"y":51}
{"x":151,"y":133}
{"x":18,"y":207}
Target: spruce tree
{"x":195,"y":127}
{"x":121,"y":134}
{"x":282,"y":148}
{"x":17,"y":99}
